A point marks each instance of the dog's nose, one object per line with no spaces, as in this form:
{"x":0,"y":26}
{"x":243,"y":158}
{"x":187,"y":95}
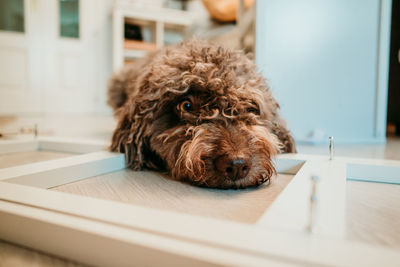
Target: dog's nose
{"x":233,"y":168}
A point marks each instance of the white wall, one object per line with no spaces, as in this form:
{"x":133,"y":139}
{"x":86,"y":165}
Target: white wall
{"x":327,"y":64}
{"x":103,"y":58}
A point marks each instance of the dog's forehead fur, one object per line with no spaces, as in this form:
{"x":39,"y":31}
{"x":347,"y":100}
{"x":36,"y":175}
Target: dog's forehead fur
{"x":227,"y":77}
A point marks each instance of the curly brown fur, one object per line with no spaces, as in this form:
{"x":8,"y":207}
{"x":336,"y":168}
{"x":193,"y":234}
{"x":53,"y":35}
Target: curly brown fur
{"x":200,"y":112}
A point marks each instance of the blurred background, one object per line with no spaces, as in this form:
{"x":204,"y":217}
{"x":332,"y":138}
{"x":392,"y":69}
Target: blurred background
{"x":333,"y":65}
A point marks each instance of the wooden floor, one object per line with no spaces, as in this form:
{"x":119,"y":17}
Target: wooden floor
{"x":373,"y":213}
{"x":16,"y":256}
{"x":152,"y":190}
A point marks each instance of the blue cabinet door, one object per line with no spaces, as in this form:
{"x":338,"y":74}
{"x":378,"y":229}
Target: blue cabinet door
{"x":326,"y":62}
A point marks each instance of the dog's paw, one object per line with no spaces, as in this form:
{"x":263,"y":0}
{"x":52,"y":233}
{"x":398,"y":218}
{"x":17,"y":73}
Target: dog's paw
{"x":264,"y":178}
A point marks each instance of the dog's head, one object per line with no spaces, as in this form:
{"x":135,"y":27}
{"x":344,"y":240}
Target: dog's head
{"x":203,"y":114}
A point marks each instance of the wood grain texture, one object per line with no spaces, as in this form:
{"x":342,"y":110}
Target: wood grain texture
{"x":152,"y":190}
{"x":15,"y":256}
{"x":373,"y":213}
{"x":20,"y":158}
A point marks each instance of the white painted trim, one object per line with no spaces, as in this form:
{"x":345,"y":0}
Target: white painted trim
{"x":78,"y":146}
{"x":117,"y":39}
{"x":159,"y":34}
{"x":373,"y":173}
{"x":57,"y":172}
{"x":165,"y":15}
{"x":14,"y":146}
{"x":330,"y":217}
{"x":288,"y":166}
{"x":72,"y":145}
{"x":134,"y":53}
{"x":382,"y":69}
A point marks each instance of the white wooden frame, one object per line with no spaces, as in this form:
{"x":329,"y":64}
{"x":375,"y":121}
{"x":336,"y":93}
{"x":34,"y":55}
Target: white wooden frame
{"x":101,"y":232}
{"x":52,"y":144}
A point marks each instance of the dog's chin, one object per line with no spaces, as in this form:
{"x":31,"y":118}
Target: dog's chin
{"x":246,"y":182}
{"x":215,"y":181}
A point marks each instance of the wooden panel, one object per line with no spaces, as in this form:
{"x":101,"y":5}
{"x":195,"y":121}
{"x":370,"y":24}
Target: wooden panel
{"x":139,"y":45}
{"x":373,"y":213}
{"x":13,"y":255}
{"x":152,"y":190}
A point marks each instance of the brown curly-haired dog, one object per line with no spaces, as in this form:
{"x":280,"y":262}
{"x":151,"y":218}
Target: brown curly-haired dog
{"x":200,"y":112}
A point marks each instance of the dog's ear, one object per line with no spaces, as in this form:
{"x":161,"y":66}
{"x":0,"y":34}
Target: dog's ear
{"x":128,"y":138}
{"x":284,"y":136}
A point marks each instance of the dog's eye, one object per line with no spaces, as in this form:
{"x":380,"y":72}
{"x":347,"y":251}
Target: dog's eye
{"x":253,"y":110}
{"x":186,"y":105}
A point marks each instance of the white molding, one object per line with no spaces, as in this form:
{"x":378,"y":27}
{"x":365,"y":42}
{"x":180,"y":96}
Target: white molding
{"x":117,"y":39}
{"x":166,"y":15}
{"x":57,"y":172}
{"x":134,"y":53}
{"x":72,"y":145}
{"x":52,"y":144}
{"x":374,"y":173}
{"x":382,"y":68}
{"x":14,"y":146}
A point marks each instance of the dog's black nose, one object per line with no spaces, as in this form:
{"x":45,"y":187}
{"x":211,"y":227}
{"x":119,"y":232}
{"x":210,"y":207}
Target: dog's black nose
{"x":233,"y":168}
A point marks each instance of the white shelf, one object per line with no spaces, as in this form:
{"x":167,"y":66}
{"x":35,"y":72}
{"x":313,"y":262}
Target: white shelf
{"x":130,"y":53}
{"x":157,"y":16}
{"x":166,"y":15}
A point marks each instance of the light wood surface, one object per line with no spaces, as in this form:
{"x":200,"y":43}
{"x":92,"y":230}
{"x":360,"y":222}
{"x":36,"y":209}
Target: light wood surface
{"x":20,"y":158}
{"x":139,"y":45}
{"x":373,"y":213}
{"x":16,"y":256}
{"x":150,"y":189}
